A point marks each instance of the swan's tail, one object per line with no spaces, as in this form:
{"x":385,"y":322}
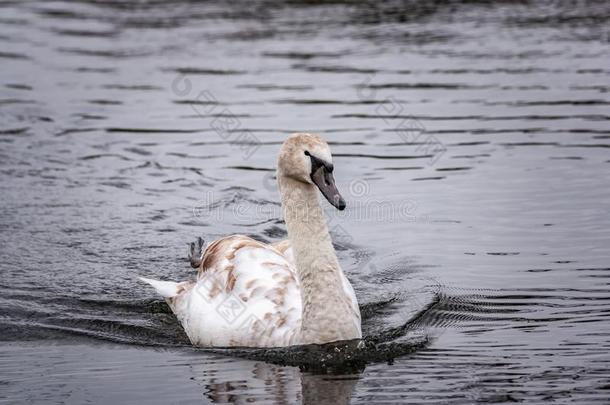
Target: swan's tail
{"x":166,"y":289}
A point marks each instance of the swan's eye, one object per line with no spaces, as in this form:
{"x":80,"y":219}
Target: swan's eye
{"x":307,"y":153}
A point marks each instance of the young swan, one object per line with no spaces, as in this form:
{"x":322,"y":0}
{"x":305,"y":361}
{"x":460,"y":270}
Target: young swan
{"x":292,"y":292}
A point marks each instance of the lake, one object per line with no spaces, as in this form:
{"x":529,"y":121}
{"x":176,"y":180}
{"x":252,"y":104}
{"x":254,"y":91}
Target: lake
{"x":471,"y":142}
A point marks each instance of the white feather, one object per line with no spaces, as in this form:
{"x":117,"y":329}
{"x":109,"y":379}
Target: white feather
{"x":166,"y":289}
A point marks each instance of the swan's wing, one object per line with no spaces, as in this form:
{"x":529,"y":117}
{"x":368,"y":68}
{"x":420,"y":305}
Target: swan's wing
{"x":285,"y":248}
{"x":247,"y":294}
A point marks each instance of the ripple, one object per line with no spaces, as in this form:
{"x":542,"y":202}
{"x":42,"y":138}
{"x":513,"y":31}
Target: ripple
{"x":14,"y":131}
{"x":154,"y":130}
{"x":18,"y":86}
{"x":85,"y":33}
{"x":333,"y":69}
{"x":132,"y":87}
{"x":104,"y":102}
{"x":428,"y":178}
{"x":107,"y":53}
{"x":303,"y":55}
{"x":205,"y":72}
{"x":431,"y":86}
{"x":270,"y":87}
{"x":13,"y":55}
{"x":365,"y":155}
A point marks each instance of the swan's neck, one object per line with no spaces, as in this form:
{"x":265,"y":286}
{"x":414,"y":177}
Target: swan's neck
{"x":327,"y":312}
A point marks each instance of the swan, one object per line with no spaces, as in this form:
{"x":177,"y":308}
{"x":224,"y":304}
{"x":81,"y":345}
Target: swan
{"x":293,"y":292}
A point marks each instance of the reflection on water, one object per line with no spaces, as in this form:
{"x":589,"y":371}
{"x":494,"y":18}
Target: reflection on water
{"x":256,"y":382}
{"x":470,"y":141}
{"x":106,"y":373}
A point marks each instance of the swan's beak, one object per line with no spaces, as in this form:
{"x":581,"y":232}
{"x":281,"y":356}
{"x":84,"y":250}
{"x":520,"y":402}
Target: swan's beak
{"x":326,"y":183}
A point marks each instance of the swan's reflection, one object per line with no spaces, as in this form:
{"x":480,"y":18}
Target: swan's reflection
{"x":236,"y":381}
{"x":327,"y":389}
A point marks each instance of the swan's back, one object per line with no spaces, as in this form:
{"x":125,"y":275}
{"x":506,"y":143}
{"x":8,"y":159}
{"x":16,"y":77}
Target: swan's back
{"x":246,"y":294}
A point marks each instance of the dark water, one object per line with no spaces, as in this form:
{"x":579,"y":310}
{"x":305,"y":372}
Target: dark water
{"x":471,"y":141}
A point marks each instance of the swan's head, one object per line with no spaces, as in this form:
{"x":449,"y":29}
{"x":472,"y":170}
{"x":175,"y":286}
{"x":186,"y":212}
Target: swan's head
{"x":306,"y":158}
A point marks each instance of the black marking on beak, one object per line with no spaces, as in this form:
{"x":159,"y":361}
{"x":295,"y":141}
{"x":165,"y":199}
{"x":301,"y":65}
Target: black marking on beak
{"x":321,"y":175}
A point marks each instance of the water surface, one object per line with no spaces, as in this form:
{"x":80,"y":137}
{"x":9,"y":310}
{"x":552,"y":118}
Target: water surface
{"x":471,"y":143}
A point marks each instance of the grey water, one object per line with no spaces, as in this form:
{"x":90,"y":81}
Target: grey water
{"x":471,"y":142}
